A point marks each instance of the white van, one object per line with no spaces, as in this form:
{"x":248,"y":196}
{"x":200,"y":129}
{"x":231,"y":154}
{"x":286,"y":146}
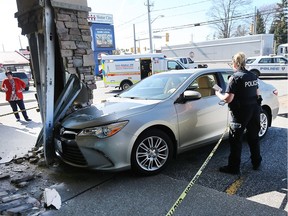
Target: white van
{"x":283,"y":50}
{"x":189,"y":63}
{"x":125,"y":70}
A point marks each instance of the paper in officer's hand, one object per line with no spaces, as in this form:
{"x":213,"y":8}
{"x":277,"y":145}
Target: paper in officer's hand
{"x":217,"y":88}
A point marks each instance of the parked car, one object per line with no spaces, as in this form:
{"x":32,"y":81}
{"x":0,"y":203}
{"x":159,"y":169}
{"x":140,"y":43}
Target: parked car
{"x":268,"y":65}
{"x":189,"y":63}
{"x":23,"y":76}
{"x":2,"y":77}
{"x":156,"y":119}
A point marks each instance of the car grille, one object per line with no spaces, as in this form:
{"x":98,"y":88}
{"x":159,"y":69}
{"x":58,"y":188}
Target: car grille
{"x":70,"y":151}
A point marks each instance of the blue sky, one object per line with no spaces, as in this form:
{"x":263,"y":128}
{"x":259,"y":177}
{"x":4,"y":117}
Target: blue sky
{"x":176,"y":13}
{"x":129,"y":12}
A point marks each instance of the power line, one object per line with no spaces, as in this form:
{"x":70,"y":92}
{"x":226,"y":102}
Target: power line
{"x":180,"y":6}
{"x":209,"y":22}
{"x":145,"y":14}
{"x":132,"y":20}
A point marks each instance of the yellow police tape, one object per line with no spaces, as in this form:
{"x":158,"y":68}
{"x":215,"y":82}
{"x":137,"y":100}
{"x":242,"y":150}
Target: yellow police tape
{"x":197,"y":175}
{"x":19,"y":111}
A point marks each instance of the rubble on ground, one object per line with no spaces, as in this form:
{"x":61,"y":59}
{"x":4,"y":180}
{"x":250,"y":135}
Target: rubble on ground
{"x":22,"y":185}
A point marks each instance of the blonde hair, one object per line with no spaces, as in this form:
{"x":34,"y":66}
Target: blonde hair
{"x":239,"y":59}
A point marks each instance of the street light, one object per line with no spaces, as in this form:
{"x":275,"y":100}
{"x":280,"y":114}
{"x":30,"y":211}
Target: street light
{"x":150,"y":32}
{"x":160,"y":16}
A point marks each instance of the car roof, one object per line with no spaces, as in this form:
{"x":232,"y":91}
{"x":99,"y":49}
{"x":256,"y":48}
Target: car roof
{"x":267,"y":56}
{"x":198,"y":71}
{"x":17,"y":72}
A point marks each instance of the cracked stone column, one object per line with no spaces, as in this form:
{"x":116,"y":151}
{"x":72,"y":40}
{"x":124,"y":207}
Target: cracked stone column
{"x":75,"y":39}
{"x":60,"y":41}
{"x":73,"y":31}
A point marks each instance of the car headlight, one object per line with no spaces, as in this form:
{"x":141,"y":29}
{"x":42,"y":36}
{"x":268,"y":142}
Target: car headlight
{"x":103,"y":131}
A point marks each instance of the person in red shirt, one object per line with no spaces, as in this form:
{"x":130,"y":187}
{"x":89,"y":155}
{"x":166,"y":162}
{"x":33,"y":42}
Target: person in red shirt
{"x":13,"y":87}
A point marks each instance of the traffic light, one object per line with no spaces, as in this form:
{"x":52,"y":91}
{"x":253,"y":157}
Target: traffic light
{"x":252,"y":29}
{"x":167,"y":37}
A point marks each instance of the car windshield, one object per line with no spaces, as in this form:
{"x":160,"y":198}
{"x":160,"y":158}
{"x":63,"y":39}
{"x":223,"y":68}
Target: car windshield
{"x":156,"y":87}
{"x":250,"y":61}
{"x":20,"y":75}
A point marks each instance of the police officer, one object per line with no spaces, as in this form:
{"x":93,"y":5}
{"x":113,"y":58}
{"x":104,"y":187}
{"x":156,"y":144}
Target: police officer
{"x":244,"y":102}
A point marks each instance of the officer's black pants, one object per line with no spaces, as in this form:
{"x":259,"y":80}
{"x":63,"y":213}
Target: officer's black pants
{"x":247,"y":117}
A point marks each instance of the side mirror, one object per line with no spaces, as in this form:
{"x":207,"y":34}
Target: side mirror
{"x":188,"y":95}
{"x":191,"y":95}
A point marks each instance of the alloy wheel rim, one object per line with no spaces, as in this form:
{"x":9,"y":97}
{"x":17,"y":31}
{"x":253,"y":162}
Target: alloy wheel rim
{"x":152,"y":153}
{"x":263,"y":124}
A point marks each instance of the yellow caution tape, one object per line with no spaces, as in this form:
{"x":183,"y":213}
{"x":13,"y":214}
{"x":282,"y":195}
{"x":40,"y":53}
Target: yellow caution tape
{"x":197,"y":175}
{"x":19,"y":111}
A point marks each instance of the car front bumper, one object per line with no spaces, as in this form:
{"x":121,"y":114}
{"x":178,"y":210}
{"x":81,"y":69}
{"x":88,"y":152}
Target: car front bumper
{"x":109,"y":154}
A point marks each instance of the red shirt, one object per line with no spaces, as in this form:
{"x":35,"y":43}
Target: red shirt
{"x":19,"y":86}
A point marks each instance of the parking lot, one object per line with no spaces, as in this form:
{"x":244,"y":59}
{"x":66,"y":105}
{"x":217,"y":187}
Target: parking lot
{"x":86,"y":192}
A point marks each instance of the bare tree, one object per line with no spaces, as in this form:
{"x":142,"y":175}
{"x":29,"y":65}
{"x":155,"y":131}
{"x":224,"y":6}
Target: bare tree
{"x":224,"y":13}
{"x":241,"y":31}
{"x":267,"y":13}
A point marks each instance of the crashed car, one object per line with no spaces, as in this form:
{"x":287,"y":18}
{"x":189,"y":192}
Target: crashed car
{"x":147,"y":125}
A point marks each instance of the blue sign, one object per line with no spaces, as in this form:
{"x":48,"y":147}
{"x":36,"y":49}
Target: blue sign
{"x":103,"y":37}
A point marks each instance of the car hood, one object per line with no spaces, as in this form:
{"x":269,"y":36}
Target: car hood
{"x":104,"y":113}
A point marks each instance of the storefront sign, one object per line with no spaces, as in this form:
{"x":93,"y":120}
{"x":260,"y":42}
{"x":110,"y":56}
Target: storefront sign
{"x":100,"y":18}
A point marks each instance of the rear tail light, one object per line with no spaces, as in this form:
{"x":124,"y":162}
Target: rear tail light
{"x":275,"y":92}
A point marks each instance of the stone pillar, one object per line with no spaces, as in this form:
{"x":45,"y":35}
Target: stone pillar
{"x":60,"y":41}
{"x":73,"y":31}
{"x":75,"y":39}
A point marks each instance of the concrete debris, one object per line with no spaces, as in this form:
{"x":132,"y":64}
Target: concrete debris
{"x":52,"y":197}
{"x":12,"y":197}
{"x":22,"y":184}
{"x":3,"y":193}
{"x":34,"y":160}
{"x":4,"y":176}
{"x":16,"y":180}
{"x":20,"y":179}
{"x":19,"y":209}
{"x":19,"y":205}
{"x":18,"y":160}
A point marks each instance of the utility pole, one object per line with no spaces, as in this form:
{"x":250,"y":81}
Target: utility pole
{"x":255,"y":22}
{"x":149,"y":24}
{"x":134,"y":33}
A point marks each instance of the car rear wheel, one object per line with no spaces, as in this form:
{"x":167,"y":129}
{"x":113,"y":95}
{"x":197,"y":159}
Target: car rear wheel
{"x":151,"y":152}
{"x":264,"y":123}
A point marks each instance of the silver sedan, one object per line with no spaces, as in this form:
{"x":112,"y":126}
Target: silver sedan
{"x":146,"y":125}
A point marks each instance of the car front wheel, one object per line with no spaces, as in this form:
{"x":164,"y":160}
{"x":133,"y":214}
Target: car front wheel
{"x":264,"y":123}
{"x":151,"y":152}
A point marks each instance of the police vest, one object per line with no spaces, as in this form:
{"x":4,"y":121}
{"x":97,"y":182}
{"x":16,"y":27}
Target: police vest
{"x":243,"y":85}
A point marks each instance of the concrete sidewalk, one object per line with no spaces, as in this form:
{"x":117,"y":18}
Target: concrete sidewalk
{"x":123,"y":195}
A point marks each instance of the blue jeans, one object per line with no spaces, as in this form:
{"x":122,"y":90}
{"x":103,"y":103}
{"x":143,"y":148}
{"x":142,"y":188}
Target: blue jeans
{"x":21,"y":106}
